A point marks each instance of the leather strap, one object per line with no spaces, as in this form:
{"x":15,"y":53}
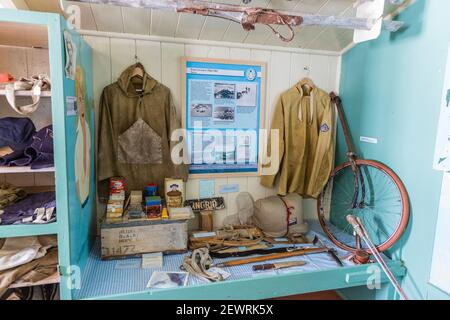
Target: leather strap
{"x":288,"y":214}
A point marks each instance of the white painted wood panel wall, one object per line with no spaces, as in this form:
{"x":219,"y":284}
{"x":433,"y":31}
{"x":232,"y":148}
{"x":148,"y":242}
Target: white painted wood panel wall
{"x":162,"y":60}
{"x":26,"y":62}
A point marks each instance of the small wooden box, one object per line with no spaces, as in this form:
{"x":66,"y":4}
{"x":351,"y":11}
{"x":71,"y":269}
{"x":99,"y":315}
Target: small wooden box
{"x":134,"y":238}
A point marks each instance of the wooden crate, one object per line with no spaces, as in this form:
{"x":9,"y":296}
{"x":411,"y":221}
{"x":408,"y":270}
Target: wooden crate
{"x":120,"y":240}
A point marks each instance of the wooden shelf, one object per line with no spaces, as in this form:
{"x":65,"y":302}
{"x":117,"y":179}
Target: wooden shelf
{"x":23,"y":34}
{"x":26,"y":230}
{"x":27,"y":93}
{"x":24,"y":170}
{"x":53,"y":279}
{"x":37,"y":189}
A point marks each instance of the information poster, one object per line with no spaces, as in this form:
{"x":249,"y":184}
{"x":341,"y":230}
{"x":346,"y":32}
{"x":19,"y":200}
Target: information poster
{"x":442,"y":153}
{"x":222,"y":116}
{"x":439,"y":276}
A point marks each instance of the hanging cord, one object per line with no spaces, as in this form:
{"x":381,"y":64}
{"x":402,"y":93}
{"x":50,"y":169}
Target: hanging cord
{"x":278,"y":34}
{"x":268,"y":17}
{"x":199,"y":263}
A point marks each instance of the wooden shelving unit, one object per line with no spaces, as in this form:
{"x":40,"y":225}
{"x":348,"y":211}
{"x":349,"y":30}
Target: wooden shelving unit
{"x":27,"y":93}
{"x":53,"y":279}
{"x":27,"y":44}
{"x":25,"y":230}
{"x":6,"y":170}
{"x":32,"y":43}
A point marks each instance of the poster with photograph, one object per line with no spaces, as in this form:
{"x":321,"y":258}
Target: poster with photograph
{"x":442,"y":151}
{"x":222,"y":115}
{"x":165,"y":280}
{"x":441,"y":252}
{"x":201,"y":110}
{"x":246,"y":94}
{"x":70,"y":55}
{"x":225,"y":91}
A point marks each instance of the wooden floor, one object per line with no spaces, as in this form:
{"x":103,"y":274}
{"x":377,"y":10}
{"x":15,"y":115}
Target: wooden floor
{"x":324,"y":295}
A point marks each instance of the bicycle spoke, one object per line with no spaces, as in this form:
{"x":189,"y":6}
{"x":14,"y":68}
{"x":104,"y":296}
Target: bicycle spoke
{"x":382,"y":210}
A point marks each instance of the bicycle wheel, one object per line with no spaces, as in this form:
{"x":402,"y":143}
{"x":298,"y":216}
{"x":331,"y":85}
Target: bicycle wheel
{"x":384,"y":210}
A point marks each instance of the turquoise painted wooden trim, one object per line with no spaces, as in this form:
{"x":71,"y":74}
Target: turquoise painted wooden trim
{"x":30,"y":17}
{"x":81,"y":212}
{"x":28,"y":230}
{"x":56,"y":51}
{"x":267,"y":287}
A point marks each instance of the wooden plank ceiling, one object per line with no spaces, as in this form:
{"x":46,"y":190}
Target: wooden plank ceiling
{"x":153,"y":22}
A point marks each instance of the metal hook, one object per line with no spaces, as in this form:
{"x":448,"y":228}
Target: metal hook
{"x":307,"y":69}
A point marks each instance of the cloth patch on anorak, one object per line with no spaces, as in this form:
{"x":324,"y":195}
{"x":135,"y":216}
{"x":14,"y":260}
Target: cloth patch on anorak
{"x":140,"y":144}
{"x":324,"y":128}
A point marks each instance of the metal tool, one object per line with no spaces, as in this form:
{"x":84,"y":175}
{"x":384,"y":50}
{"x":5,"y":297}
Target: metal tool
{"x":275,"y":256}
{"x":252,"y":250}
{"x":359,"y":228}
{"x":277,"y":266}
{"x":331,"y":252}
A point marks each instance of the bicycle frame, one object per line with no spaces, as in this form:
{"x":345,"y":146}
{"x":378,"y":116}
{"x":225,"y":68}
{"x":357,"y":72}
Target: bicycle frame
{"x":358,"y":199}
{"x":352,"y":157}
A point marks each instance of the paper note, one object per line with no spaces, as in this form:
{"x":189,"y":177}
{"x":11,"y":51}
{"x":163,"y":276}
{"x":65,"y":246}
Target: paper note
{"x":71,"y":106}
{"x":206,"y":189}
{"x":152,"y":260}
{"x":369,"y":140}
{"x":204,"y":234}
{"x":127,"y":264}
{"x":229,"y":188}
{"x":165,"y":280}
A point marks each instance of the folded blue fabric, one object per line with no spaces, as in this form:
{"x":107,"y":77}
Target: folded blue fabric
{"x":39,"y":153}
{"x":16,"y":133}
{"x":15,"y":213}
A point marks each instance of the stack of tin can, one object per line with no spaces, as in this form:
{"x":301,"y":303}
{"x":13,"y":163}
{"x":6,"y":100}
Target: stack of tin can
{"x":152,"y":201}
{"x":114,"y":209}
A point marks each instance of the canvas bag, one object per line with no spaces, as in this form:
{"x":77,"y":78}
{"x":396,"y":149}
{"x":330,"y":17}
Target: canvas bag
{"x":36,"y":84}
{"x":279,"y":216}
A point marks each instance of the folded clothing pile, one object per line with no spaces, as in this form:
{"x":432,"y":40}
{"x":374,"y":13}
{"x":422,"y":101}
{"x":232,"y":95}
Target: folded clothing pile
{"x":10,"y":194}
{"x":27,"y":259}
{"x":21,"y":145}
{"x":37,"y":208}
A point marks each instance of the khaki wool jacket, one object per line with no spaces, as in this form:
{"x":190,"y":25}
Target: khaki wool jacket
{"x":137,"y":118}
{"x":306,"y":142}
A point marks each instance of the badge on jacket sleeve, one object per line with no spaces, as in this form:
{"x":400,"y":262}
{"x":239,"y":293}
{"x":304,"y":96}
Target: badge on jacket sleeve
{"x":324,"y":128}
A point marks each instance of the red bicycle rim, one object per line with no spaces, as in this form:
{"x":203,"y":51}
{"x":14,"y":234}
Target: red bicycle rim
{"x":404,"y":214}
